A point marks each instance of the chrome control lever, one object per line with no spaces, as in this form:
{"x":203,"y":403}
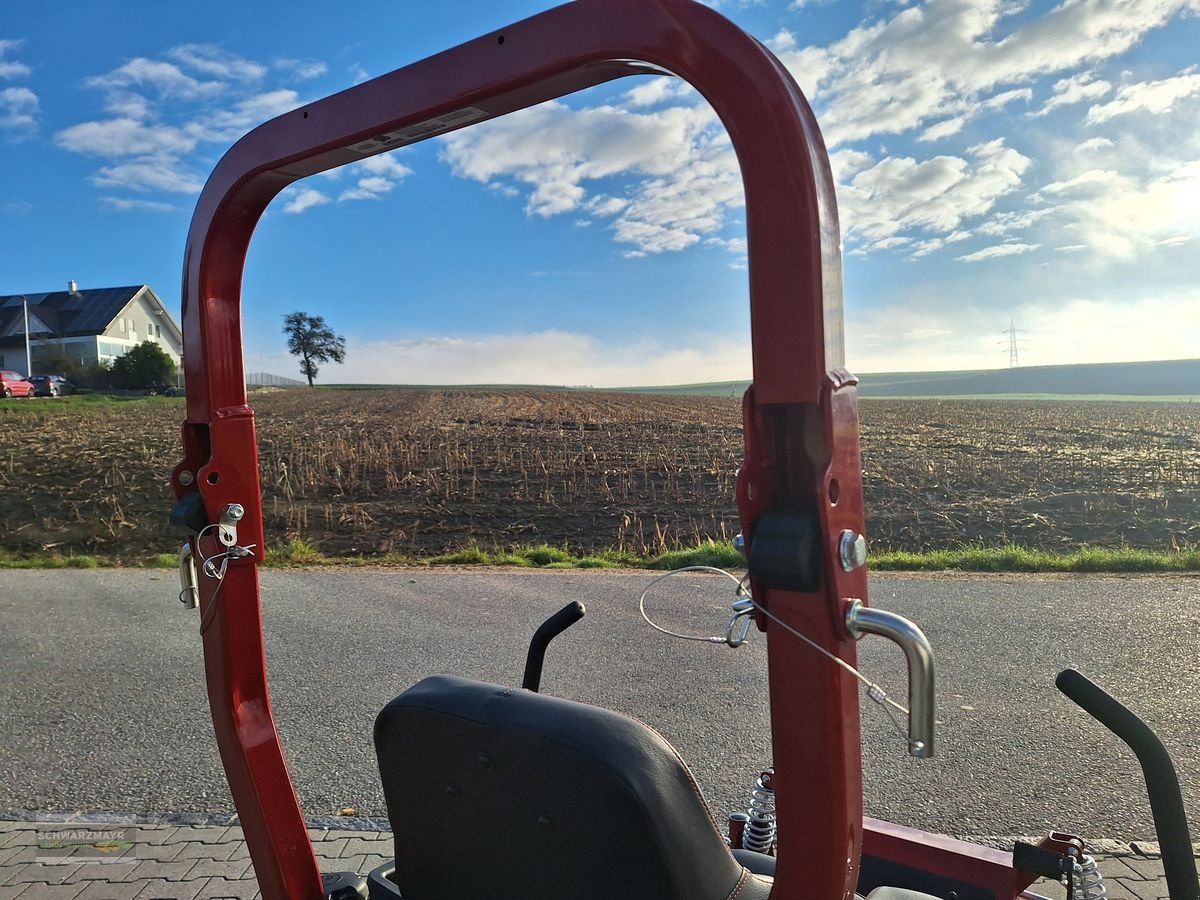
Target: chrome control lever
{"x":918,"y":652}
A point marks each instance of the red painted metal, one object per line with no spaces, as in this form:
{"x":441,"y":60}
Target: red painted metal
{"x":801,"y":417}
{"x":973,"y":864}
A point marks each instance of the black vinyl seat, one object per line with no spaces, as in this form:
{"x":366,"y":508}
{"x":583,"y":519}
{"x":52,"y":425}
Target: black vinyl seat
{"x":496,"y":793}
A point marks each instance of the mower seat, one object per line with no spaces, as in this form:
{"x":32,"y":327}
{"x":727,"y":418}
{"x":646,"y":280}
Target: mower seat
{"x":506,"y":794}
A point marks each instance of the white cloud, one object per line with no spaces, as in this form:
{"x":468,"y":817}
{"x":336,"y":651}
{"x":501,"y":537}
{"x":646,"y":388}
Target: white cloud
{"x":899,"y":194}
{"x":659,"y":89}
{"x":304,"y":199}
{"x":11,"y":68}
{"x":932,"y":62}
{"x":1001,"y":100}
{"x":209,"y":59}
{"x":1148,"y":96}
{"x":942,"y":129}
{"x":123,"y":137}
{"x":125,"y":204}
{"x":1074,"y":89}
{"x":691,"y":174}
{"x":232,"y":123}
{"x":18,"y":111}
{"x":383,"y":173}
{"x":1059,"y":329}
{"x":150,"y":174}
{"x":303,"y":69}
{"x":544,"y":357}
{"x":167,"y":79}
{"x":1010,"y":249}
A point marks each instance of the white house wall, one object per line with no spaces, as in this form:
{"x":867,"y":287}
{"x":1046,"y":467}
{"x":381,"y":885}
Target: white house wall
{"x":140,"y":321}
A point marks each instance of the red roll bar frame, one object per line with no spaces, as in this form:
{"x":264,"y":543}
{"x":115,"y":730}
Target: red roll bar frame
{"x":801,"y":420}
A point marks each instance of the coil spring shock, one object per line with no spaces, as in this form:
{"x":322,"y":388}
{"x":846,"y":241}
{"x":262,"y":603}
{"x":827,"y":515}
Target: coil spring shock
{"x":759,"y":835}
{"x":1088,"y":881}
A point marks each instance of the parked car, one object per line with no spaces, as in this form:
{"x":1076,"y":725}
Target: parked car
{"x":13,"y":384}
{"x":50,"y":385}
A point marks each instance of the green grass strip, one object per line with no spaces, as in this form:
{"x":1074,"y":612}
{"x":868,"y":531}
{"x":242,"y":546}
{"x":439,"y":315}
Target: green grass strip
{"x":719,"y":554}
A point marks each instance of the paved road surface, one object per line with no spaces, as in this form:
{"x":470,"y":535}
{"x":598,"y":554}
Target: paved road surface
{"x":102,"y":703}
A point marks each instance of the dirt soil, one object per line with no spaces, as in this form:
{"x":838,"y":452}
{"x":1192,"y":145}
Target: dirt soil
{"x":374,"y":472}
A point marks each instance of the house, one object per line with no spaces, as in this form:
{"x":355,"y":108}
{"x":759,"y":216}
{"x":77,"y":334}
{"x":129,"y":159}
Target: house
{"x":89,"y":326}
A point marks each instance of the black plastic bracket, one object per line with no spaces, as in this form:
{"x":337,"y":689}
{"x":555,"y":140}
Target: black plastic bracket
{"x":785,"y":552}
{"x":188,"y":514}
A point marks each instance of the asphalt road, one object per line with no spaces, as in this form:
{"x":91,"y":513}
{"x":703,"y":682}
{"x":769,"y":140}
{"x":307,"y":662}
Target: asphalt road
{"x":102,"y":702}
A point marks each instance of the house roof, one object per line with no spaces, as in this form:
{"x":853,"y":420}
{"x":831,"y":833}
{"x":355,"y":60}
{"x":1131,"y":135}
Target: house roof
{"x":74,"y":313}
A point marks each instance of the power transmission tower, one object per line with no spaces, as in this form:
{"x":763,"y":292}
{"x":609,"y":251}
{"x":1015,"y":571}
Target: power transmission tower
{"x":1015,"y":345}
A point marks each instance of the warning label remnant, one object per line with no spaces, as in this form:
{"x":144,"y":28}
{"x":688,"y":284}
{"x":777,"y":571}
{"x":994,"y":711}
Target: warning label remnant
{"x":412,"y":133}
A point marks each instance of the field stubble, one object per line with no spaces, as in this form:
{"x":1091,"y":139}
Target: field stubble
{"x":422,"y":472}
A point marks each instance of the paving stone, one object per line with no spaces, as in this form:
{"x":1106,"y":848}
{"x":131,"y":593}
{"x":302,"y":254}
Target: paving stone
{"x":41,"y":891}
{"x":26,"y":836}
{"x":151,"y":868}
{"x":111,"y":890}
{"x":331,"y":849}
{"x":1120,"y":868}
{"x":1145,"y":868}
{"x":1146,"y":890}
{"x":318,"y":834}
{"x":32,"y":872}
{"x":11,"y":893}
{"x":195,"y":850}
{"x":358,"y":846}
{"x":160,"y":852}
{"x":155,"y":835}
{"x":173,"y":890}
{"x":105,"y":872}
{"x":222,"y":889}
{"x":214,"y":868}
{"x":207,"y":835}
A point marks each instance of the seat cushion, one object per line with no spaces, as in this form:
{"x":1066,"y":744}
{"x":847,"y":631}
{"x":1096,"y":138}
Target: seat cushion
{"x":503,"y":793}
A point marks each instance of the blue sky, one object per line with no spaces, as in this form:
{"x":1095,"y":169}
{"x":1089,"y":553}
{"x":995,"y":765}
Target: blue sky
{"x":996,"y":161}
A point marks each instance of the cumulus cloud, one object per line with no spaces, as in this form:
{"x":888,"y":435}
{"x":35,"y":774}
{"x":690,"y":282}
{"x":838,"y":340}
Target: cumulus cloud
{"x":690,"y":175}
{"x":18,"y":111}
{"x":164,"y":78}
{"x":1148,"y":96}
{"x":377,"y":176}
{"x":163,"y":111}
{"x":150,"y":174}
{"x":304,"y":199}
{"x":933,"y":62}
{"x":211,"y":60}
{"x":937,"y":195}
{"x":123,"y":137}
{"x":1078,"y":88}
{"x":10,"y":68}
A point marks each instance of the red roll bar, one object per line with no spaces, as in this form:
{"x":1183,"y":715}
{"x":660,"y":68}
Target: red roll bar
{"x":801,"y":418}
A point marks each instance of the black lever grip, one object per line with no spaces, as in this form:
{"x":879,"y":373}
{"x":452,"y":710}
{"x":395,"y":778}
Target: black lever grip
{"x":548,"y":631}
{"x":1162,"y":784}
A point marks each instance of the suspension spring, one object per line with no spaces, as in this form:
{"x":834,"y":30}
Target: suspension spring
{"x":1089,"y":882}
{"x":760,"y":831}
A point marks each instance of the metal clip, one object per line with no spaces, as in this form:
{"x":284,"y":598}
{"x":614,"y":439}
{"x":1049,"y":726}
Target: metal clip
{"x":743,"y":611}
{"x":227,"y":524}
{"x":189,"y":583}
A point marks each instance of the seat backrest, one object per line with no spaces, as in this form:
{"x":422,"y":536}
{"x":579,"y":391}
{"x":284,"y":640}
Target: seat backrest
{"x":497,"y":793}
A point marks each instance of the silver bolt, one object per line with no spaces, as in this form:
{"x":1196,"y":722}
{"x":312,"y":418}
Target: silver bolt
{"x":852,"y":547}
{"x":234,"y":512}
{"x":186,"y":477}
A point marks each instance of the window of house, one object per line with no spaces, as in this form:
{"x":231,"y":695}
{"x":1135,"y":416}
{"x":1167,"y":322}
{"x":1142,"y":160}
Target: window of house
{"x":124,"y":326}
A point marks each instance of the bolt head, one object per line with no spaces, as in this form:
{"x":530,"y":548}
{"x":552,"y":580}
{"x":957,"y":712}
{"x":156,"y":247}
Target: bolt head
{"x":852,"y":548}
{"x":186,"y":477}
{"x":235,"y":511}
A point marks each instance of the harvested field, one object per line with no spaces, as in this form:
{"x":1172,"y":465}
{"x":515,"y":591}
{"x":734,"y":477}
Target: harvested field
{"x":421,"y":472}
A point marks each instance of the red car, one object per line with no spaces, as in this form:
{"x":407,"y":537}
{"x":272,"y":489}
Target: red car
{"x":13,"y":384}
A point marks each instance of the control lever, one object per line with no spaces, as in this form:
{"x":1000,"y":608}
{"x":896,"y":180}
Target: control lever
{"x":918,"y":652}
{"x":1162,"y":784}
{"x":548,"y":631}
